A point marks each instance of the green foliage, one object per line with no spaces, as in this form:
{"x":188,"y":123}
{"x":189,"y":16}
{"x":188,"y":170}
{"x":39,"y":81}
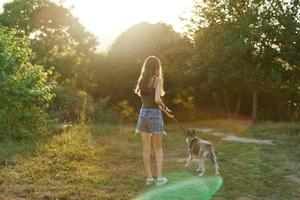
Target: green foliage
{"x":71,"y":105}
{"x":9,"y":148}
{"x":241,"y":47}
{"x":57,"y":37}
{"x":126,"y":112}
{"x":233,"y":52}
{"x":105,"y":114}
{"x":26,"y":89}
{"x":126,"y":56}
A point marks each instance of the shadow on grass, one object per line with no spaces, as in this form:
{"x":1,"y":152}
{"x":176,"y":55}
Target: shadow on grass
{"x":183,"y":185}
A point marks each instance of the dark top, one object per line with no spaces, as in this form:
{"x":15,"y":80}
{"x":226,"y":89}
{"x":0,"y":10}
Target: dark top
{"x":148,"y":99}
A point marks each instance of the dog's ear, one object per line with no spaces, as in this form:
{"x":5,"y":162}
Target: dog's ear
{"x":194,"y":132}
{"x":187,"y":133}
{"x":191,"y":133}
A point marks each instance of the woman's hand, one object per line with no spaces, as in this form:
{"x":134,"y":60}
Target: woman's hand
{"x":167,"y":111}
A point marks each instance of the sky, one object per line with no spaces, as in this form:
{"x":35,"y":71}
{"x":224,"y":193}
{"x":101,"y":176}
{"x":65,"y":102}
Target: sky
{"x":109,"y":18}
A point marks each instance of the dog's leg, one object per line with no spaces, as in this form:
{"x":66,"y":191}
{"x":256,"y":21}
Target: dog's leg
{"x":199,"y":168}
{"x":213,"y":159}
{"x":202,"y":162}
{"x":188,"y":161}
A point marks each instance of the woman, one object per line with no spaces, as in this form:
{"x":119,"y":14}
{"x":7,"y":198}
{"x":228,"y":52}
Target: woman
{"x":150,"y":123}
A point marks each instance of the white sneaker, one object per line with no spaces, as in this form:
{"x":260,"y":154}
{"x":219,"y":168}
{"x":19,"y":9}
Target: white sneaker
{"x":149,"y":181}
{"x":161,"y":181}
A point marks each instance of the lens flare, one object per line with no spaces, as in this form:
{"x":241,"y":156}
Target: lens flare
{"x":185,"y":186}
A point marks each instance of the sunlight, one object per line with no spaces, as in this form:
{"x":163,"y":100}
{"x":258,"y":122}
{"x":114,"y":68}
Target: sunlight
{"x":107,"y":19}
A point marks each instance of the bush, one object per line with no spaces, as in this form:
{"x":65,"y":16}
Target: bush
{"x":26,"y":89}
{"x":126,"y":111}
{"x":76,"y":106}
{"x":105,"y":114}
{"x":71,"y":105}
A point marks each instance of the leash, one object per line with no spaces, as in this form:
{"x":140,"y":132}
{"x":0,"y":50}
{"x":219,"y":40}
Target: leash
{"x":182,"y":128}
{"x":177,"y":122}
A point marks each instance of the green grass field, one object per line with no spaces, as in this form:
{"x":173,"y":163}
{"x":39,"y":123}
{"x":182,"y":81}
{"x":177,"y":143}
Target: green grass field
{"x":104,"y":162}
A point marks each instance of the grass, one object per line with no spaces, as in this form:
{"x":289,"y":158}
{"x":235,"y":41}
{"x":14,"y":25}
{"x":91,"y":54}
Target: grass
{"x":8,"y":148}
{"x":104,"y":162}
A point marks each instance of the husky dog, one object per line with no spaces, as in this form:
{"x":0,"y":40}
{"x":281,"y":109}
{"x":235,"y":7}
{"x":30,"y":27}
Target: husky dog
{"x":199,"y":148}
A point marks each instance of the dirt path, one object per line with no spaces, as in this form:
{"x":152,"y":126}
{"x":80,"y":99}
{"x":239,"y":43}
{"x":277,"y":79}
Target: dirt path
{"x":233,"y":138}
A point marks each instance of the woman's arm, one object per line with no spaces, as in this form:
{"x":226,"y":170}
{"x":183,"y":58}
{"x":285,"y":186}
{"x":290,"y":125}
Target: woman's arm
{"x":158,"y":100}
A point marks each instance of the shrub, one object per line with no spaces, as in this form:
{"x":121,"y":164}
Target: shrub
{"x":103,"y":113}
{"x":26,"y":89}
{"x":126,"y":111}
{"x":71,"y":105}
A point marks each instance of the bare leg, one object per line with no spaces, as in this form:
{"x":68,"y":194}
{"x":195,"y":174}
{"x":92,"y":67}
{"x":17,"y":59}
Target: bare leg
{"x":157,"y":140}
{"x":188,"y":161}
{"x":146,"y":141}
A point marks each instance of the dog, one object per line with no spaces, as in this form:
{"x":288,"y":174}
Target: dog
{"x":199,"y":148}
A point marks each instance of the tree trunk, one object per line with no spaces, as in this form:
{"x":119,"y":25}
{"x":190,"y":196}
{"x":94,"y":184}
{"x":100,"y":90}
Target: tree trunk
{"x":238,"y":105}
{"x":289,"y":110}
{"x":224,"y":101}
{"x":254,"y":103}
{"x":227,"y":107}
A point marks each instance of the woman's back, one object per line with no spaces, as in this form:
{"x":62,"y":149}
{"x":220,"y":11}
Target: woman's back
{"x":148,"y":98}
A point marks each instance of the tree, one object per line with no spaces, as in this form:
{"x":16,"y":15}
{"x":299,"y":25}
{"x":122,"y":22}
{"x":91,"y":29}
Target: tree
{"x":57,"y":37}
{"x":119,"y":71}
{"x":236,"y":48}
{"x":286,"y":20}
{"x":25,"y":88}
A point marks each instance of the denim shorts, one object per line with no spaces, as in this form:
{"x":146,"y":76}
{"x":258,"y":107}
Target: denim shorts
{"x":151,"y":121}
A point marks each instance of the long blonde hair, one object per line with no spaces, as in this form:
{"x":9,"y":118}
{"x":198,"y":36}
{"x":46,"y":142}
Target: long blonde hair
{"x":146,"y":81}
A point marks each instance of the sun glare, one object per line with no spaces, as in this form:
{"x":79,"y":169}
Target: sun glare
{"x":107,"y":19}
